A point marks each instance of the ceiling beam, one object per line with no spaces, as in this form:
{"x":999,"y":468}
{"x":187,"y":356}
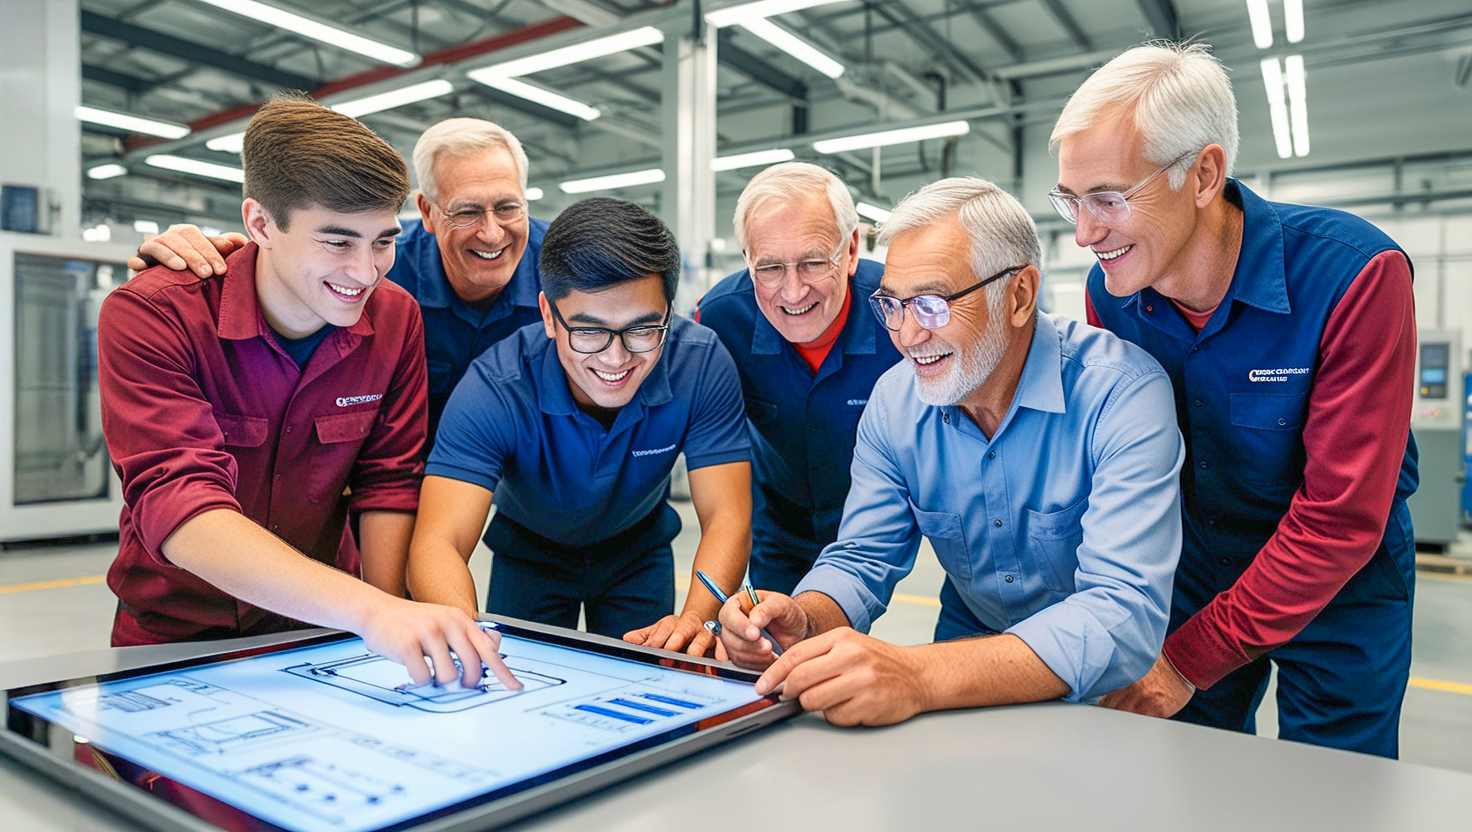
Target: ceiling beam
{"x":731,"y":55}
{"x":995,"y":31}
{"x":1065,"y":21}
{"x":1162,"y":17}
{"x":198,"y":53}
{"x":925,"y":34}
{"x":113,"y":78}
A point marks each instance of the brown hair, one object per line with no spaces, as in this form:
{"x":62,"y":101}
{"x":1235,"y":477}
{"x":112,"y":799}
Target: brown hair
{"x":298,"y":153}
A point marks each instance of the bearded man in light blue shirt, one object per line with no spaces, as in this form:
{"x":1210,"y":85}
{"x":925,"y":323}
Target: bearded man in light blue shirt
{"x":1039,"y":456}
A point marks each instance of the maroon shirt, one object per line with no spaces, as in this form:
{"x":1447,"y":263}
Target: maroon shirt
{"x":203,"y":410}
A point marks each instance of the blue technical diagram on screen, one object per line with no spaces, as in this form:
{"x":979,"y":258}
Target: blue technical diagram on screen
{"x":333,"y":738}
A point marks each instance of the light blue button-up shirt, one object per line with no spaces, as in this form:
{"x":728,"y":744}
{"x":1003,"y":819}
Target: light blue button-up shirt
{"x":1064,"y":529}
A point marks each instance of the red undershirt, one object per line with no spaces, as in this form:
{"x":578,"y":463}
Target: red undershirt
{"x":813,"y":352}
{"x":1197,"y":320}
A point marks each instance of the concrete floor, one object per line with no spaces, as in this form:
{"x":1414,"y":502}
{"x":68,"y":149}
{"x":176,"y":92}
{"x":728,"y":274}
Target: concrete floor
{"x":53,"y":600}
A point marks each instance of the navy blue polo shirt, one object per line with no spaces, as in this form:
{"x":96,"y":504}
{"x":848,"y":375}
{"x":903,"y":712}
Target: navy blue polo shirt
{"x":454,"y":333}
{"x":513,"y":427}
{"x":802,"y":423}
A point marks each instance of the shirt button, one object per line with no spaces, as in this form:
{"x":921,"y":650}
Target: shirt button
{"x":1224,"y":561}
{"x":997,"y":523}
{"x":991,"y":455}
{"x":1008,"y":579}
{"x":278,"y":478}
{"x":1193,"y":348}
{"x":1211,"y":521}
{"x":1282,"y":422}
{"x":1197,"y":402}
{"x":1203,"y":465}
{"x":945,"y":417}
{"x":275,"y":527}
{"x":1149,"y":309}
{"x":288,"y":428}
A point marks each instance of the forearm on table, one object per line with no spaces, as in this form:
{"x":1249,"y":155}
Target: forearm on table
{"x":991,"y":670}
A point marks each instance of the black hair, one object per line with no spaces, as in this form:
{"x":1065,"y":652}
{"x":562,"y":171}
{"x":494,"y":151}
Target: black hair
{"x":599,"y":242}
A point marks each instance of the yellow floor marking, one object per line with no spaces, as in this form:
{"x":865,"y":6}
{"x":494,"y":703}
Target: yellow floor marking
{"x":1438,"y":684}
{"x":59,"y":583}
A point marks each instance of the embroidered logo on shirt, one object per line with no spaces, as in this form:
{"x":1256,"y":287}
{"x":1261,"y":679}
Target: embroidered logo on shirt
{"x":653,"y":451}
{"x":857,"y":402}
{"x":1280,"y":374}
{"x":349,"y":401}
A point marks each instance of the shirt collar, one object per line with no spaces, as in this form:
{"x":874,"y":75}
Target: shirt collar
{"x":1261,"y":278}
{"x":1041,"y":385}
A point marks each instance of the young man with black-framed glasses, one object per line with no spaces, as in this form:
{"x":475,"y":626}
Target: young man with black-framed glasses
{"x":572,"y":427}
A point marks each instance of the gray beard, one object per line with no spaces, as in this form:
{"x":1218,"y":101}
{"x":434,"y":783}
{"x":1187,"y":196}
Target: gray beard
{"x":973,"y":367}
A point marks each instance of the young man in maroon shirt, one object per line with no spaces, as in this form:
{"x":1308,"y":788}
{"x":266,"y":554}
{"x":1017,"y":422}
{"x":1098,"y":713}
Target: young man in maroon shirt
{"x":248,"y":413}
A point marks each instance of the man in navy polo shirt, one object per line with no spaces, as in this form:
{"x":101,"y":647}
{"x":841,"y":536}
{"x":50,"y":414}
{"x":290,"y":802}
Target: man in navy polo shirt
{"x":1289,"y":335}
{"x":808,"y":354}
{"x":573,"y":427}
{"x":471,"y":260}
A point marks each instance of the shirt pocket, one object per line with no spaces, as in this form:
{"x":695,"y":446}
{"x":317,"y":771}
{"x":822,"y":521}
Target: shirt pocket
{"x":243,"y":431}
{"x":760,"y":412}
{"x":948,"y":538}
{"x":339,"y":438}
{"x":1053,"y":541}
{"x":1269,"y":439}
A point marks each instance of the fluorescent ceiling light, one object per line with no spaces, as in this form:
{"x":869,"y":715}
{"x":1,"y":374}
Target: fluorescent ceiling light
{"x":106,"y":171}
{"x":1262,"y":25}
{"x":888,"y":137}
{"x":617,"y":180}
{"x":540,"y":95}
{"x":534,"y":194}
{"x":736,"y":161}
{"x":793,"y":45}
{"x":145,"y":226}
{"x":873,"y":212}
{"x":196,"y":167}
{"x":574,"y":54}
{"x":318,"y":31}
{"x":1272,"y":79}
{"x":1297,"y":102}
{"x":746,"y":12}
{"x":135,"y":124}
{"x":232,"y":143}
{"x":1293,"y":20}
{"x":391,"y":99}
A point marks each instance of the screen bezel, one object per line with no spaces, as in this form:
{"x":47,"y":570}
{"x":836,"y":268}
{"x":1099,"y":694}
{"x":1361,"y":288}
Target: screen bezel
{"x":25,"y":738}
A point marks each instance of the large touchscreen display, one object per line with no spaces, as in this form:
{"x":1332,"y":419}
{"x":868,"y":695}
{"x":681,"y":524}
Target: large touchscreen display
{"x":333,"y":738}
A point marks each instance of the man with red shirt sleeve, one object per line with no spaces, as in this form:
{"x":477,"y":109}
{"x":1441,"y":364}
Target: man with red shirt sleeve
{"x":1289,"y":334}
{"x":247,"y":413}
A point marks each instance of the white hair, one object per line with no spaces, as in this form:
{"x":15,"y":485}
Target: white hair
{"x":1178,"y":93}
{"x":1001,"y":231}
{"x":462,"y":137}
{"x":790,"y":181}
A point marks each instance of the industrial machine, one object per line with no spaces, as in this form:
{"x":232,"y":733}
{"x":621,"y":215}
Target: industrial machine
{"x":56,"y":479}
{"x":1437,"y":413}
{"x":1467,"y":449}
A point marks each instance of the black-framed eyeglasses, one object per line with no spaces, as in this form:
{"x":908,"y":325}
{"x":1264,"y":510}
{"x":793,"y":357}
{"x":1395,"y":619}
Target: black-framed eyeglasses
{"x":929,"y":311}
{"x":1110,"y":207}
{"x":590,"y":340}
{"x":810,"y":270}
{"x":472,"y":215}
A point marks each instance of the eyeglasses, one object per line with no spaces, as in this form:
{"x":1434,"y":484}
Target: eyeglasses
{"x":473,"y":215}
{"x":929,"y":311}
{"x":1110,"y":207}
{"x":771,"y":275}
{"x":593,"y":340}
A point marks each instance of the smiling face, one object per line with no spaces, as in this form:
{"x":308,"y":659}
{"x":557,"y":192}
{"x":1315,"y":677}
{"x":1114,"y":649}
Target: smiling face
{"x":322,"y":270}
{"x":480,"y":260}
{"x":788,"y":233}
{"x":609,"y":379}
{"x":1150,"y":247}
{"x":953,"y":361}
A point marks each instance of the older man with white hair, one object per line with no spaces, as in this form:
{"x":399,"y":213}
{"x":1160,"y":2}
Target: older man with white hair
{"x":808,"y":355}
{"x":1038,"y":455}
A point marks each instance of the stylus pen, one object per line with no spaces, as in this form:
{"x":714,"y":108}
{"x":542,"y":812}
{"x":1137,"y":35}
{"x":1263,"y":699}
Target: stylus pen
{"x":721,"y":596}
